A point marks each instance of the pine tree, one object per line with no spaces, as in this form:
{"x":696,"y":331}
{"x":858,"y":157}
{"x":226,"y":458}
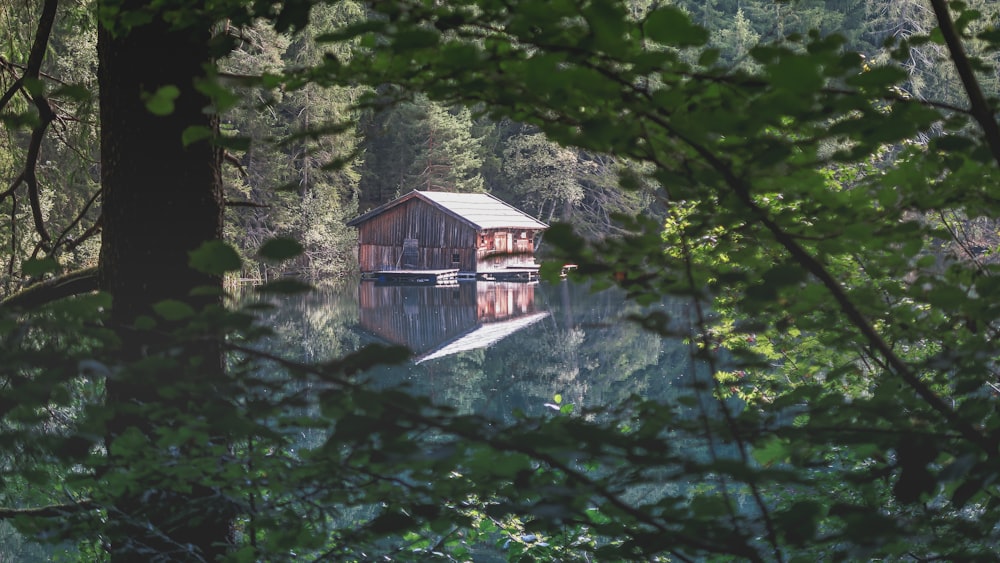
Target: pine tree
{"x":420,"y":145}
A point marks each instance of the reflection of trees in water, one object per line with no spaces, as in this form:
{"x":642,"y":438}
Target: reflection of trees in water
{"x":315,"y":326}
{"x":585,"y":350}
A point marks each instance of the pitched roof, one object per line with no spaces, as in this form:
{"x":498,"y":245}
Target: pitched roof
{"x":483,"y":336}
{"x":482,"y":211}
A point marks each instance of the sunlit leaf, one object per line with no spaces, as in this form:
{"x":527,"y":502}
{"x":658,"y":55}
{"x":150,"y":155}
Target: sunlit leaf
{"x":215,"y":257}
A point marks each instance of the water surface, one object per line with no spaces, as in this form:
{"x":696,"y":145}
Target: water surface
{"x":489,"y":347}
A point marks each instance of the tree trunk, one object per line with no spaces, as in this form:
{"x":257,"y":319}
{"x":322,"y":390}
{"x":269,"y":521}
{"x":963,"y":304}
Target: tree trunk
{"x":160,"y":201}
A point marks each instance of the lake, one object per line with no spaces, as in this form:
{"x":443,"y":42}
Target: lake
{"x":489,"y":347}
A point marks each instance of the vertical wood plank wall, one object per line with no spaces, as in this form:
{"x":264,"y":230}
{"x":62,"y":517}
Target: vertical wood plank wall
{"x":425,"y":317}
{"x":440,"y":238}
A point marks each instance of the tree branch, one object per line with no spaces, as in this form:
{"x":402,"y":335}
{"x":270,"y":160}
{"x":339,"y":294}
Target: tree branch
{"x":73,"y":283}
{"x":812,"y":265}
{"x":79,"y":217}
{"x":643,"y":518}
{"x":29,"y":175}
{"x":239,"y":203}
{"x":52,"y":510}
{"x":45,"y":115}
{"x":980,"y":108}
{"x":231,"y":159}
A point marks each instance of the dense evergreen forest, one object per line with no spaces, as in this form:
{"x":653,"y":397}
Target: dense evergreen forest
{"x":302,"y":162}
{"x":813,"y":181}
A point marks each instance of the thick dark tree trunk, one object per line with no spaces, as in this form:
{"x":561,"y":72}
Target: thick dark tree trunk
{"x":161,"y":200}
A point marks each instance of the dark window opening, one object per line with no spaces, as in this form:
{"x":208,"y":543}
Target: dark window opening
{"x":455,"y":258}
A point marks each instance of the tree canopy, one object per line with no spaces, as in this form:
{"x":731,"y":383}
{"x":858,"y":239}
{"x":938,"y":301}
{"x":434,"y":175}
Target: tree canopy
{"x":821,"y":198}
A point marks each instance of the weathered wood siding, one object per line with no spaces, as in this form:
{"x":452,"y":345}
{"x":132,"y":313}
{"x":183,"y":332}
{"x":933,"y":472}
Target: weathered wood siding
{"x":499,"y":248}
{"x":498,"y":301}
{"x":425,"y":317}
{"x":440,"y":237}
{"x":418,"y":317}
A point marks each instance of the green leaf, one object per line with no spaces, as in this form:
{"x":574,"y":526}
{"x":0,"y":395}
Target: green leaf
{"x":879,"y":77}
{"x":144,"y":322}
{"x":784,"y":274}
{"x":173,"y":310}
{"x":796,"y":74}
{"x":194,"y":134}
{"x":279,"y":249}
{"x":774,"y":450}
{"x":222,"y":97}
{"x":800,"y":522}
{"x":75,"y":92}
{"x":937,"y":37}
{"x":237,"y":143}
{"x":671,"y":26}
{"x":215,"y":257}
{"x":709,"y":57}
{"x":34,"y":86}
{"x":161,"y":102}
{"x":39,"y":266}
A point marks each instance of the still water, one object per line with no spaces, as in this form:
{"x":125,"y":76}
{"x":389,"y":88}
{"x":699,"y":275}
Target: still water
{"x":489,"y":347}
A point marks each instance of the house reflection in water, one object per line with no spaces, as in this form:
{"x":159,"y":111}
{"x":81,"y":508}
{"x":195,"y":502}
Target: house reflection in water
{"x":437,"y":321}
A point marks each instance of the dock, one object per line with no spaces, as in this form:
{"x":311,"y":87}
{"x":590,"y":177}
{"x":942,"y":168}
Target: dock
{"x":510,"y":273}
{"x":431,"y":277}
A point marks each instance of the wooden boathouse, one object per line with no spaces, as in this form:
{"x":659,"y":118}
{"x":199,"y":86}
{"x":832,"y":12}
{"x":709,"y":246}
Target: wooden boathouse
{"x":438,"y":321}
{"x":471,"y":234}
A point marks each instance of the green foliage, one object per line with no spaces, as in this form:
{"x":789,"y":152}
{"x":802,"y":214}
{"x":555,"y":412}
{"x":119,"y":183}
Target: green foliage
{"x":420,"y":145}
{"x":278,"y":249}
{"x":791,"y":197}
{"x":300,"y":166}
{"x":830,"y":232}
{"x":215,"y":257}
{"x":161,"y":102}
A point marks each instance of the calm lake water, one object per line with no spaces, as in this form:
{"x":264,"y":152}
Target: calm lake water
{"x":490,"y":347}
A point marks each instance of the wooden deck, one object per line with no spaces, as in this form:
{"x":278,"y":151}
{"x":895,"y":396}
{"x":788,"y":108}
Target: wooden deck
{"x":508,"y":274}
{"x":416,"y":276}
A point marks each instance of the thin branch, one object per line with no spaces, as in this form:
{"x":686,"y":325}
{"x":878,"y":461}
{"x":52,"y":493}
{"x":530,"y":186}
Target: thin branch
{"x":962,"y":243}
{"x":231,"y":159}
{"x":854,"y":315}
{"x":45,"y":114}
{"x":586,"y":58}
{"x":238,"y":203}
{"x":13,"y":237}
{"x":16,"y":183}
{"x":981,"y":110}
{"x":38,"y":48}
{"x":31,"y":165}
{"x":74,"y":222}
{"x":90,"y":232}
{"x":417,"y":415}
{"x":741,"y":445}
{"x":52,"y":510}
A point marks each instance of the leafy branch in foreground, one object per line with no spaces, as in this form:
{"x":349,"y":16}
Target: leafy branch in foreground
{"x":855,"y":267}
{"x":841,"y":404}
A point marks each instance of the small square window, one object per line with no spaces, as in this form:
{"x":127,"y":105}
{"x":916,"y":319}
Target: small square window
{"x":455,"y":258}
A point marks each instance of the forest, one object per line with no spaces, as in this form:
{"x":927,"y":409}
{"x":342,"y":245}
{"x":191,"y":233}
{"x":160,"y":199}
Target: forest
{"x":813,"y":180}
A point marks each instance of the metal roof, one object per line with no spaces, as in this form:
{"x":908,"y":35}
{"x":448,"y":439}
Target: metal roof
{"x":482,"y":211}
{"x":482,"y":336}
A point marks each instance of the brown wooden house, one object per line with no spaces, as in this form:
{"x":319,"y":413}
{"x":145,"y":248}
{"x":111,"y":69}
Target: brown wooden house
{"x":439,"y":230}
{"x":437,"y":321}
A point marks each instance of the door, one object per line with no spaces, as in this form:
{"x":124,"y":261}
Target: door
{"x":410,"y":253}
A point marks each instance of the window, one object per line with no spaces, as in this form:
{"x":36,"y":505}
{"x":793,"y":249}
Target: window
{"x":455,"y":258}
